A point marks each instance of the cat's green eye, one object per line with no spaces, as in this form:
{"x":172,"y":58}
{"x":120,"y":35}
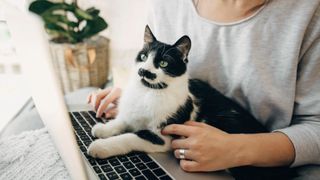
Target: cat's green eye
{"x":143,"y":57}
{"x":163,"y":64}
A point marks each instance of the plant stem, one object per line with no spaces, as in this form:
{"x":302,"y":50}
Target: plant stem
{"x":75,"y":3}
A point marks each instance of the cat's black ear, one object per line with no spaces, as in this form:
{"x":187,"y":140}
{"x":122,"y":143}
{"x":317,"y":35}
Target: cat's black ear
{"x":184,"y":46}
{"x":148,"y":36}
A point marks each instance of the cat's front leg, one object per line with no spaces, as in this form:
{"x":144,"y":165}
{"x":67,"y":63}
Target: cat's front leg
{"x":144,"y":140}
{"x":111,"y":128}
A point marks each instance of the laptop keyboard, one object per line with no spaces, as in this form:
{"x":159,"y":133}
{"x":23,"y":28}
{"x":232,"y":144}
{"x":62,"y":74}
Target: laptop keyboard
{"x":135,"y":165}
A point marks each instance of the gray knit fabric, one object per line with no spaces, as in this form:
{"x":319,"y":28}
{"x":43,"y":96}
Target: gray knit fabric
{"x":30,"y":155}
{"x":269,"y":63}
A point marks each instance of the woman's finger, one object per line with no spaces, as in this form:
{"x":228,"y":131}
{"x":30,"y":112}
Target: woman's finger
{"x":111,"y":113}
{"x":194,"y":123}
{"x":190,"y":166}
{"x":177,"y":129}
{"x":89,"y":98}
{"x":99,"y":95}
{"x":180,"y":144}
{"x":187,"y":154}
{"x":111,"y":97}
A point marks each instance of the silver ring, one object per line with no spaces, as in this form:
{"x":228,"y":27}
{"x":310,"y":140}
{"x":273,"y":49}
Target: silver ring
{"x":182,"y":154}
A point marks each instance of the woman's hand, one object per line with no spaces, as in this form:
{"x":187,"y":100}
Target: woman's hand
{"x":210,"y":149}
{"x":206,"y":148}
{"x":105,"y":101}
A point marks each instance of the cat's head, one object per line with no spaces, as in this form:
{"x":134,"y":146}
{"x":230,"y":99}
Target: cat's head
{"x":159,"y":64}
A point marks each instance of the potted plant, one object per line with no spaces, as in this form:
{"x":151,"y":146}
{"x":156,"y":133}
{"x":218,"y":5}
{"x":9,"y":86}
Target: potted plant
{"x":80,"y":56}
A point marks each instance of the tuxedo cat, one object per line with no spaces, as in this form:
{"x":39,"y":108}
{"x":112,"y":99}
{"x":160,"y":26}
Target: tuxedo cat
{"x":160,"y":93}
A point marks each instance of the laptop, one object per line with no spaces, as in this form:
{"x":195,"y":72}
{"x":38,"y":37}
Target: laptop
{"x":70,"y":126}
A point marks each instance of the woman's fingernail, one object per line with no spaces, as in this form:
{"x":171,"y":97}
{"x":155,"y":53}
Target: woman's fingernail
{"x":163,"y":132}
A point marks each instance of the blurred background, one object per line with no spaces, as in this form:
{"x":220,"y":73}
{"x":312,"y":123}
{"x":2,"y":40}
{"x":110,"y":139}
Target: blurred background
{"x":126,"y":21}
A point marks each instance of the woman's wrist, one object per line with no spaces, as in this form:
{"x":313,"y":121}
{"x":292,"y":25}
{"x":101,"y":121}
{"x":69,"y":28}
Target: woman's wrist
{"x":263,"y":150}
{"x":242,"y":154}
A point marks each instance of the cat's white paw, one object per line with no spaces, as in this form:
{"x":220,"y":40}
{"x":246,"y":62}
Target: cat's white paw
{"x":105,"y":130}
{"x":98,"y":149}
{"x":98,"y":130}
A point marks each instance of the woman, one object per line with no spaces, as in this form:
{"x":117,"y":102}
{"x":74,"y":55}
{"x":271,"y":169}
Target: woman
{"x":265,"y":55}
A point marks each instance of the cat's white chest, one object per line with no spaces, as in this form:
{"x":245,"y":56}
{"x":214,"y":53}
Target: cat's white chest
{"x":143,"y":107}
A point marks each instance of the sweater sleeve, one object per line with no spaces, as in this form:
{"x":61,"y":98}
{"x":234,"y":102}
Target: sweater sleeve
{"x":304,"y":131}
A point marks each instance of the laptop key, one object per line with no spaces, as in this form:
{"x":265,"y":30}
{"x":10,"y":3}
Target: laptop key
{"x":92,"y":162}
{"x":106,"y":168}
{"x":81,"y":133}
{"x":87,"y":129}
{"x":145,"y":158}
{"x":125,"y":176}
{"x":135,"y":159}
{"x":81,"y":120}
{"x":83,"y":149}
{"x":120,"y":169}
{"x":141,"y":166}
{"x":87,"y":143}
{"x":159,"y":172}
{"x":102,"y":161}
{"x":152,"y":165}
{"x":112,"y":175}
{"x":79,"y":142}
{"x":123,"y":158}
{"x":102,"y":177}
{"x":90,"y":121}
{"x":165,"y":178}
{"x":114,"y":162}
{"x":84,"y":114}
{"x":85,"y":138}
{"x":128,"y":165}
{"x":149,"y":174}
{"x":92,"y":113}
{"x":97,"y":169}
{"x":77,"y":128}
{"x":87,"y":155}
{"x":93,"y":138}
{"x":84,"y":124}
{"x":134,"y":172}
{"x":74,"y":122}
{"x":76,"y":113}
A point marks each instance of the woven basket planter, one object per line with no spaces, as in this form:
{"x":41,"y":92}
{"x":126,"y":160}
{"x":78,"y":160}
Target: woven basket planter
{"x":83,"y":64}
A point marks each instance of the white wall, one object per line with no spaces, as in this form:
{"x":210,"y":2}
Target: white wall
{"x":127,"y":20}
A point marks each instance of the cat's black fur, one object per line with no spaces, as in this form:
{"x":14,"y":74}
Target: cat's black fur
{"x":225,"y":114}
{"x":215,"y":109}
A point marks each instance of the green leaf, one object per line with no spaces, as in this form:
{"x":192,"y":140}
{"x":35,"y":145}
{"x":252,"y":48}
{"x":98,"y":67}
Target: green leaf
{"x":39,"y":7}
{"x":49,"y":18}
{"x":60,"y":32}
{"x":52,"y":26}
{"x":61,"y":28}
{"x":82,"y":15}
{"x":93,"y":11}
{"x":93,"y":27}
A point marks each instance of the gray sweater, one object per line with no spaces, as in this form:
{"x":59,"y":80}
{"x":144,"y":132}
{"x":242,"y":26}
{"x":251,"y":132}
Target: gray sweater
{"x":269,"y":63}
